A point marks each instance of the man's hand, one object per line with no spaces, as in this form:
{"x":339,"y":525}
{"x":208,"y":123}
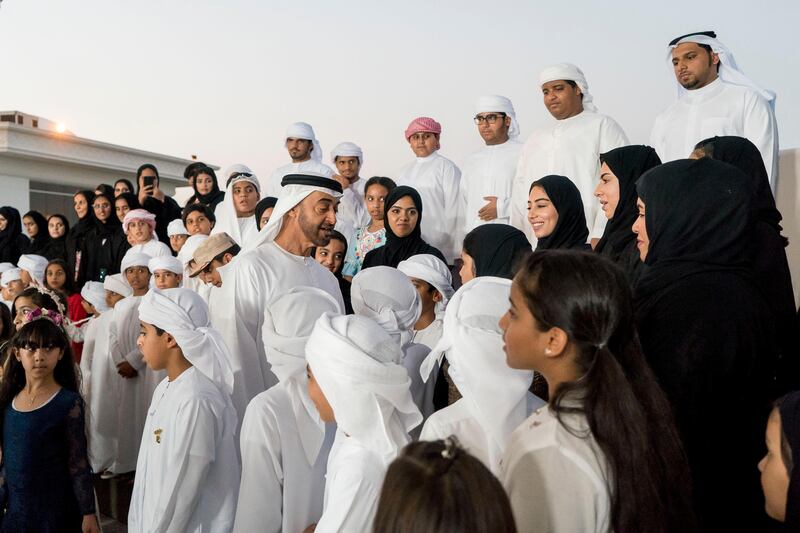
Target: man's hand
{"x":89,"y":524}
{"x":489,"y":211}
{"x":125,"y":370}
{"x":341,"y":179}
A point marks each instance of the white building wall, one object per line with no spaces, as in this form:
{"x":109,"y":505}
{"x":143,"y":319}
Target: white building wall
{"x":15,"y":192}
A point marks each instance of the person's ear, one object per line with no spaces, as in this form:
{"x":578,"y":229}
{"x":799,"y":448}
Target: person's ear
{"x":714,"y":58}
{"x":437,"y":296}
{"x":227,"y":258}
{"x":170,"y":340}
{"x":557,"y":341}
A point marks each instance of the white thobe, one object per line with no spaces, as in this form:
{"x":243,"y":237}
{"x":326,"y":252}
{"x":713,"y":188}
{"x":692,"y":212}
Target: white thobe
{"x":352,"y":487}
{"x":284,"y":459}
{"x":134,"y":393}
{"x":421,"y":390}
{"x":153,"y":248}
{"x":273,"y":186}
{"x":544,"y":461}
{"x":101,"y":392}
{"x":719,"y":108}
{"x":352,"y":212}
{"x":438,"y":182}
{"x":456,"y":419}
{"x":571,"y":148}
{"x":489,"y":172}
{"x":430,"y":335}
{"x":259,"y":276}
{"x":187,"y":476}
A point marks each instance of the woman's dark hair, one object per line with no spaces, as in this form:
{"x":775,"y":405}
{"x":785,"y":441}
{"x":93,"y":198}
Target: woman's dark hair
{"x":786,"y":448}
{"x":383,"y":181}
{"x":130,"y":198}
{"x":144,"y":167}
{"x":437,"y":487}
{"x":41,"y":223}
{"x":105,"y":189}
{"x":588,"y":297}
{"x":34,"y":334}
{"x":69,"y":286}
{"x":63,"y":221}
{"x":191,"y":169}
{"x":203,"y":169}
{"x":335,"y":236}
{"x":40,"y":299}
{"x":201,"y":208}
{"x":127,"y":183}
{"x":7,"y":323}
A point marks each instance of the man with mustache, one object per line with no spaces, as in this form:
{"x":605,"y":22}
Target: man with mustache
{"x":714,"y":98}
{"x":304,"y":217}
{"x":306,"y":153}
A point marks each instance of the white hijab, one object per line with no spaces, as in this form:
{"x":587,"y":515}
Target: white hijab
{"x":495,"y":394}
{"x":357,"y":366}
{"x":184,"y":314}
{"x":225,"y":212}
{"x":35,"y":265}
{"x":728,"y":70}
{"x":568,"y":71}
{"x":386,"y":295}
{"x":288,"y":322}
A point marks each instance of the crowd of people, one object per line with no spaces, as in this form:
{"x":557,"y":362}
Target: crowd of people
{"x":581,"y":335}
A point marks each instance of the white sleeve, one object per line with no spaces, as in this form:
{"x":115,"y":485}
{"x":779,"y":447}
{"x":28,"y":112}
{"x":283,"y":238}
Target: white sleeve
{"x":453,"y":204}
{"x":611,"y":136}
{"x":761,"y":128}
{"x":185,"y":478}
{"x":261,"y":489}
{"x":519,"y":195}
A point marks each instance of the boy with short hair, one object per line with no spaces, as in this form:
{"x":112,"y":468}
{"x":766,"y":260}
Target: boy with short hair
{"x":187,"y":474}
{"x":167,"y":272}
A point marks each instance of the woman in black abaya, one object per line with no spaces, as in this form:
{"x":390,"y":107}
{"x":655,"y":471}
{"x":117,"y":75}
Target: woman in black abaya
{"x":706,"y":330}
{"x":556,"y":214}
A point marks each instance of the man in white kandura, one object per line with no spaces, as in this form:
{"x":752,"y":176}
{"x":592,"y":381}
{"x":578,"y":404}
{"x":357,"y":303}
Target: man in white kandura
{"x":570,"y":147}
{"x":488,"y":175}
{"x":306,"y":153}
{"x":494,"y":398}
{"x":187,"y":475}
{"x":284,"y":442}
{"x":714,"y":98}
{"x":303,"y":218}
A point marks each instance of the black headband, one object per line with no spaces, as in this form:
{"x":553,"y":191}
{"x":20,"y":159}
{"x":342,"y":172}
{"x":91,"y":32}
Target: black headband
{"x":312,"y":181}
{"x":711,"y":34}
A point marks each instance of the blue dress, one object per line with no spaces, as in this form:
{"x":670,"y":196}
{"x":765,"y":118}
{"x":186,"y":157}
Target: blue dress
{"x":46,"y":483}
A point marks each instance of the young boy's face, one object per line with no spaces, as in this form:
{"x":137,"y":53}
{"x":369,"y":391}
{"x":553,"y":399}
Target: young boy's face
{"x":153,"y":346}
{"x":176,"y":242}
{"x":166,"y":279}
{"x":424,"y":143}
{"x":320,"y":401}
{"x":428,"y":295}
{"x":211,"y":274}
{"x":112,"y":298}
{"x":774,"y":476}
{"x":138,"y":277}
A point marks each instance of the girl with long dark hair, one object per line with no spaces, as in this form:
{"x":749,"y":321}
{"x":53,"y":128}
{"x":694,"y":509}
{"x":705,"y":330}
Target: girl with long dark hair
{"x":604,"y":455}
{"x":47,"y":480}
{"x":36,"y":227}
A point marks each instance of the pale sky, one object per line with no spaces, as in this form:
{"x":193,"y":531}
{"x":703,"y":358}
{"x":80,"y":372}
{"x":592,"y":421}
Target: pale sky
{"x":223,"y":79}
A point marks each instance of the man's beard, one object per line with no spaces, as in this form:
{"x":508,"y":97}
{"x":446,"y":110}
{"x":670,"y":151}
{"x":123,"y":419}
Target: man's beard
{"x":314,"y":232}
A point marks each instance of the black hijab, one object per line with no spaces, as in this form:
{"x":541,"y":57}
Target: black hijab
{"x":570,"y":231}
{"x":397,"y":248}
{"x":263,"y":205}
{"x":744,"y":155}
{"x":11,"y":239}
{"x":698,"y":217}
{"x":112,"y":223}
{"x":57,"y":248}
{"x":627,"y":163}
{"x":127,"y":183}
{"x":215,"y":196}
{"x":496,"y":249}
{"x":790,"y":426}
{"x":38,"y":243}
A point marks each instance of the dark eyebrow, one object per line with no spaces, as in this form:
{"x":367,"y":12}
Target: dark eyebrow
{"x":542,"y":199}
{"x":605,"y":174}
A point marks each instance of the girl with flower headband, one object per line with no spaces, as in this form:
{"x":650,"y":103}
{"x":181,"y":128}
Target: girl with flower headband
{"x":46,"y":482}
